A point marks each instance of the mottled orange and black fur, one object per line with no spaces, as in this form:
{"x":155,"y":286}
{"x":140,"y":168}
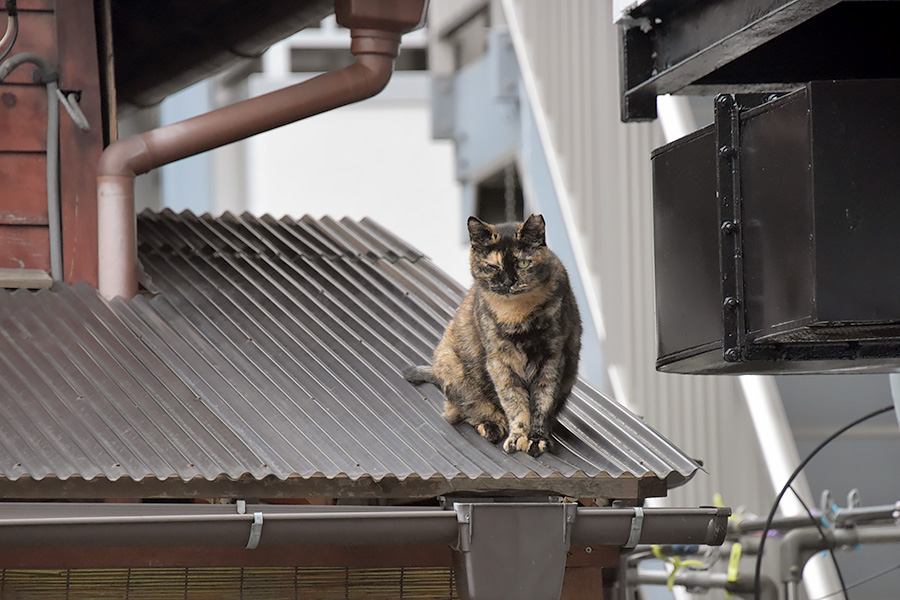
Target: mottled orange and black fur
{"x":509,"y":358}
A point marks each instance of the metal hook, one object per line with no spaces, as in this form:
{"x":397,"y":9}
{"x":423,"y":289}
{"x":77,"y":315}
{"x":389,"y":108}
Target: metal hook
{"x":828,"y":506}
{"x":70,"y":103}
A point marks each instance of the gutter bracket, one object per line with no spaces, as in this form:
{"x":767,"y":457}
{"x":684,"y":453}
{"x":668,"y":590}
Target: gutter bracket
{"x":464,"y":518}
{"x":255,"y":531}
{"x":637,"y":526}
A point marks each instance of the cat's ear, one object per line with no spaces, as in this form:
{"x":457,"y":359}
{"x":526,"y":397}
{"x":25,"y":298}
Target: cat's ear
{"x":531,"y":232}
{"x":481,"y":233}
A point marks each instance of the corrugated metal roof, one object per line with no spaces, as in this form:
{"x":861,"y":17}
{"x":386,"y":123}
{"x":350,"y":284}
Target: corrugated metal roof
{"x":265,"y":361}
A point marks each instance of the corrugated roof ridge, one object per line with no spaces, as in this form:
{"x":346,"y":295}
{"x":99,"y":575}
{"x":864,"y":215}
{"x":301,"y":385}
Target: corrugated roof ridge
{"x":76,"y":392}
{"x":349,"y":296}
{"x":375,"y":230}
{"x":214,"y":364}
{"x":370,"y":243}
{"x":226,"y":260}
{"x":285,"y":311}
{"x":213,"y":446}
{"x":395,"y":390}
{"x":632,"y":428}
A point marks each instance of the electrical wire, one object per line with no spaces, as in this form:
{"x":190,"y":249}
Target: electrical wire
{"x":12,"y":29}
{"x":762,"y":542}
{"x":865,"y":580}
{"x":815,"y":521}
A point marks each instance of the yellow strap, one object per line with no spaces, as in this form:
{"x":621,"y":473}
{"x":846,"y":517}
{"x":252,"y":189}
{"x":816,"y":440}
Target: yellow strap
{"x":733,"y":561}
{"x":676,"y":563}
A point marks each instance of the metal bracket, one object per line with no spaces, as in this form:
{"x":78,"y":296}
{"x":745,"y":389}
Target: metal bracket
{"x":255,"y":526}
{"x":464,"y":518}
{"x":255,"y":531}
{"x":730,"y":230}
{"x":637,"y":525}
{"x":571,"y":512}
{"x":69,"y":101}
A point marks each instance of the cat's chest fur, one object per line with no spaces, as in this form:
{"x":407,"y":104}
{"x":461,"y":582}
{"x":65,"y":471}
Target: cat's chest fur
{"x":515,"y":313}
{"x":528,"y":323}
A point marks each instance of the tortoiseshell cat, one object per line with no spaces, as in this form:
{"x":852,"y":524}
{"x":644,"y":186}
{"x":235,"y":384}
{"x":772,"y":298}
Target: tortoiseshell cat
{"x":509,"y":358}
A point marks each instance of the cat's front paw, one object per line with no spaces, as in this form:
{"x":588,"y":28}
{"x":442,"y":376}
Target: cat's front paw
{"x":490,"y":431}
{"x":538,"y":445}
{"x":515,"y":441}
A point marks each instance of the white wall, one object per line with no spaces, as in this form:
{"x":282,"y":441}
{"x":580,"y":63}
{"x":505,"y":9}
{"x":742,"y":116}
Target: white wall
{"x":374,"y":159}
{"x":571,"y":51}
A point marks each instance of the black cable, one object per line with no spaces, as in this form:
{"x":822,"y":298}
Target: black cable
{"x":815,"y":521}
{"x":856,"y":584}
{"x":12,"y":13}
{"x":803,"y":463}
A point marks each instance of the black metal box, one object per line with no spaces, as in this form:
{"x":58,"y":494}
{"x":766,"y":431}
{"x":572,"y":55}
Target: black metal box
{"x":777,"y":235}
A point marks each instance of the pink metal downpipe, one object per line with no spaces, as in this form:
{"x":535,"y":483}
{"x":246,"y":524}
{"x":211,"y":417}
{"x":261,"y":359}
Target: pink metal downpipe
{"x":376,"y":28}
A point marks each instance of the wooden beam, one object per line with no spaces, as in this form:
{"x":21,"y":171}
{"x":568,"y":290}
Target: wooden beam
{"x":265,"y":556}
{"x":79,"y":150}
{"x":31,"y":279}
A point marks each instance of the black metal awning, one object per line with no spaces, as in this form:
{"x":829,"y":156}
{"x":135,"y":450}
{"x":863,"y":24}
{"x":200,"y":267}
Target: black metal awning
{"x":705,"y":47}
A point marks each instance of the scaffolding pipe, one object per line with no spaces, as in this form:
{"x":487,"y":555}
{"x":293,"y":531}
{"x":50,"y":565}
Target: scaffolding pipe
{"x":843,"y":517}
{"x":706,"y":580}
{"x":800,"y":545}
{"x":375,"y":29}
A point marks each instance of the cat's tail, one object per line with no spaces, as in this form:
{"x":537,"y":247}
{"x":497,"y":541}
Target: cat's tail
{"x":420,"y":374}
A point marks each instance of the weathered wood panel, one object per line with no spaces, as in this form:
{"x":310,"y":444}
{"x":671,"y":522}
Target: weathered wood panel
{"x":24,"y":247}
{"x":80,"y":151}
{"x":23,"y":118}
{"x":25,"y":5}
{"x":36,"y":34}
{"x":583,"y":583}
{"x":23,"y":182}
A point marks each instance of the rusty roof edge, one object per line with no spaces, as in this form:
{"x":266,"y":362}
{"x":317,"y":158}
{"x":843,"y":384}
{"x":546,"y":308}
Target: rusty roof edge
{"x":413,"y":487}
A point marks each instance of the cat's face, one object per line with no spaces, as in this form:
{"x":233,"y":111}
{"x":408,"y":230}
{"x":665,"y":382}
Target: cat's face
{"x":510,"y":258}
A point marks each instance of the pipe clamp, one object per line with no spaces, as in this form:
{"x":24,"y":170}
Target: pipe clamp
{"x":255,"y":531}
{"x":637,"y":525}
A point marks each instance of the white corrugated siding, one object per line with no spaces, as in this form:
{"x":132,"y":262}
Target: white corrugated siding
{"x":571,"y":50}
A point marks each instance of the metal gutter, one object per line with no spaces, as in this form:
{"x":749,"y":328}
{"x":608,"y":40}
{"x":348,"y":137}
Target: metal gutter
{"x":96,"y":524}
{"x":375,"y":31}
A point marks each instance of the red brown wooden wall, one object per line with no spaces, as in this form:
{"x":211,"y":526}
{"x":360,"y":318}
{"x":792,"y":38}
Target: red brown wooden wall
{"x":63,"y":32}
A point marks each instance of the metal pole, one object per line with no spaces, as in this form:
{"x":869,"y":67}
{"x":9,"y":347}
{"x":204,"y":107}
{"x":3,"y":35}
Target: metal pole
{"x":780,"y":453}
{"x":707,"y":580}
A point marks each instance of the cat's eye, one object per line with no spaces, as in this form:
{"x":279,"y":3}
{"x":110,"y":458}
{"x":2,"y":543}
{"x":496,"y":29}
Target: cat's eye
{"x":524,"y":264}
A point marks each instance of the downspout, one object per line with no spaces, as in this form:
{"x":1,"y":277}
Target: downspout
{"x":375,"y":27}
